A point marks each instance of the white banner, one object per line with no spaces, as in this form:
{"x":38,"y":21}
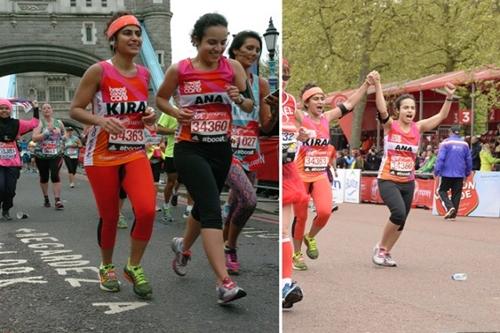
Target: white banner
{"x":338,"y":186}
{"x":352,"y":183}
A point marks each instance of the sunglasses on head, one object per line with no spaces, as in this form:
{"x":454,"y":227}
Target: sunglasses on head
{"x":285,"y":77}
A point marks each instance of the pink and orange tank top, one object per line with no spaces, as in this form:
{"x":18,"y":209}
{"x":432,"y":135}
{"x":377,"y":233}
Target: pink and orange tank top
{"x":289,"y":130}
{"x":312,"y":158}
{"x":204,"y":93}
{"x":124,"y":98}
{"x":400,"y":152}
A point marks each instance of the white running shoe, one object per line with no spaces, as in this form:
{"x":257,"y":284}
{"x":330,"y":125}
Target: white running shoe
{"x":382,"y":258}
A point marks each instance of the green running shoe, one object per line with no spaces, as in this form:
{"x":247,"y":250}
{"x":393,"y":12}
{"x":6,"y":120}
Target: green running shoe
{"x":135,"y":274}
{"x":108,"y":279}
{"x":312,"y":248}
{"x":298,"y":262}
{"x":122,"y":222}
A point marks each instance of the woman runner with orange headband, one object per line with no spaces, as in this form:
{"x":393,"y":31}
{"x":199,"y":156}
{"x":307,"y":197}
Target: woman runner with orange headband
{"x":312,"y":162}
{"x":114,"y":154}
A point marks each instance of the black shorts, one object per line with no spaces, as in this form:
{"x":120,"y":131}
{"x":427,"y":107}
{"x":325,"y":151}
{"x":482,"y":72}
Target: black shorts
{"x":169,"y":165}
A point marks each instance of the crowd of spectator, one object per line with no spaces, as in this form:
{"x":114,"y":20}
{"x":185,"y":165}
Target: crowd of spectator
{"x":485,"y":153}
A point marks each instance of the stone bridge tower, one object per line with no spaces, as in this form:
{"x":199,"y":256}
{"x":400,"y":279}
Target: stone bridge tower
{"x":55,"y":41}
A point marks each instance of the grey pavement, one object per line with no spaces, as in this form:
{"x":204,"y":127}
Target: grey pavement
{"x":345,"y":292}
{"x":48,"y":281}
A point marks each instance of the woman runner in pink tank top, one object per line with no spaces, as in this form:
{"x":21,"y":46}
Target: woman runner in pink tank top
{"x":312,"y":162}
{"x":207,"y":85}
{"x":115,"y":156}
{"x":396,"y":174}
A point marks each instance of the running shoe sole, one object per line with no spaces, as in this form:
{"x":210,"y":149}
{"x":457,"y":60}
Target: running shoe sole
{"x":295,"y":295}
{"x":240,"y":294}
{"x":174,"y":262}
{"x":310,"y":254}
{"x":449,"y":213}
{"x":114,"y":290}
{"x":148,"y":296}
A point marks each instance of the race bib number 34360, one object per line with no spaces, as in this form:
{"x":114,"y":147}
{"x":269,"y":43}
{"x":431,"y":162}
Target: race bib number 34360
{"x":210,"y":127}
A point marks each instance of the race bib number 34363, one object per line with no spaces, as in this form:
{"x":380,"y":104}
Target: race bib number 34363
{"x":129,"y":139}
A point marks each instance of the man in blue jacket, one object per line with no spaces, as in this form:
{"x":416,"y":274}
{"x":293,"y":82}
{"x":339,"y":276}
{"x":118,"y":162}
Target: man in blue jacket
{"x":453,"y":164}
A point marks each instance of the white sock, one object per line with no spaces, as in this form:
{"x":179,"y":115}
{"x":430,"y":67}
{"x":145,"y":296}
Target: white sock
{"x":285,"y":281}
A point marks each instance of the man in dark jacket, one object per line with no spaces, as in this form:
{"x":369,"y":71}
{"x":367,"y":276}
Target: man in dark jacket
{"x":453,"y":164}
{"x":475,"y":149}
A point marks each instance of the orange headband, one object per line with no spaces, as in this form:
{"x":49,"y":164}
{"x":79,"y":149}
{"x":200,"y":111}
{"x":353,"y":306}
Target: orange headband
{"x":310,"y":92}
{"x":121,"y":22}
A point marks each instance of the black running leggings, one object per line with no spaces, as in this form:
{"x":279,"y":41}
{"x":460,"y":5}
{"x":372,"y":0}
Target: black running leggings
{"x":48,"y":166}
{"x":203,"y":168}
{"x":71,"y":164}
{"x":398,"y":198}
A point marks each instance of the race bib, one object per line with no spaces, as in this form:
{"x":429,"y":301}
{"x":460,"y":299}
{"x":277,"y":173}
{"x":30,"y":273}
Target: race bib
{"x":315,"y":160}
{"x":402,"y":165}
{"x":244,"y":139}
{"x":7,"y":150}
{"x":129,"y":139}
{"x":210,"y":126}
{"x":49,"y":147}
{"x":72,"y":152}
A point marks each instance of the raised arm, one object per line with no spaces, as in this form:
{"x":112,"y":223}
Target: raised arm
{"x":430,"y":123}
{"x":349,"y":104}
{"x":384,"y":117}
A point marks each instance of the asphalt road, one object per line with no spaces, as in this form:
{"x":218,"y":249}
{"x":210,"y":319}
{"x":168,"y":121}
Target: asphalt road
{"x":41,"y":290}
{"x":345,"y":292}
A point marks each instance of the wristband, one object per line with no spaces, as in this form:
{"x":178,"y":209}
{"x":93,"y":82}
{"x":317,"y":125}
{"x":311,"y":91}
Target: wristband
{"x":343,"y":109}
{"x":449,"y":99}
{"x":241,"y":100}
{"x":383,"y":121}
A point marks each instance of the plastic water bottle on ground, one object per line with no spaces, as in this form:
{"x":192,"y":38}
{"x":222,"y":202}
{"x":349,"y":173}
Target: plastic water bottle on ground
{"x":21,"y":216}
{"x":459,"y":277}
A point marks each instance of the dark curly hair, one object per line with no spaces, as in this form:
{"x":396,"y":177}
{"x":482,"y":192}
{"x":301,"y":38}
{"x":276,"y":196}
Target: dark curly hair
{"x":203,"y":23}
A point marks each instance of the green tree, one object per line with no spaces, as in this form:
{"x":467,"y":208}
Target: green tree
{"x":336,"y":43}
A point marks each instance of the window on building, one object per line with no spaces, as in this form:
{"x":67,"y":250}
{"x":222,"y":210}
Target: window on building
{"x":104,"y":3}
{"x":161,"y":57}
{"x":41,"y":97}
{"x":71,"y":93}
{"x":88,"y":32}
{"x":72,"y":3}
{"x":88,"y":3}
{"x":57,"y":94}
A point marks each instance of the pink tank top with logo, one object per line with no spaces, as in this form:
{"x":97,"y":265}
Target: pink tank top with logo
{"x":204,"y":93}
{"x":400,"y":152}
{"x":289,"y":130}
{"x":124,"y":98}
{"x":312,"y":159}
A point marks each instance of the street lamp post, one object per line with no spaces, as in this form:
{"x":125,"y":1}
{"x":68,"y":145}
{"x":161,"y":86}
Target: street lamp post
{"x":270,"y":37}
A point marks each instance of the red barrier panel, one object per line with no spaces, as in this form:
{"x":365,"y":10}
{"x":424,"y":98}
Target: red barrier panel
{"x":422,"y":196}
{"x":269,"y":148}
